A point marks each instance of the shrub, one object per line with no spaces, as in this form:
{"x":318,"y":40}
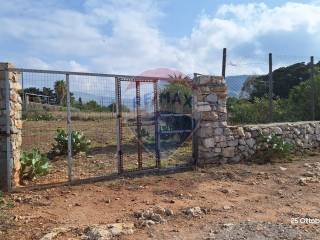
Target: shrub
{"x":243,"y":111}
{"x":176,"y":97}
{"x":79,"y":142}
{"x":36,"y":116}
{"x":33,"y":164}
{"x":272,"y":146}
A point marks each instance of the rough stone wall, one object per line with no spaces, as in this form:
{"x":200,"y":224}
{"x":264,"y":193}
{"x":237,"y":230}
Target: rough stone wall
{"x":15,"y":122}
{"x":220,"y":143}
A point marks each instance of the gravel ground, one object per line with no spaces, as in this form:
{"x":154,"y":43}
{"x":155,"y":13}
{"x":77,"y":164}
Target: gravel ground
{"x":261,"y":231}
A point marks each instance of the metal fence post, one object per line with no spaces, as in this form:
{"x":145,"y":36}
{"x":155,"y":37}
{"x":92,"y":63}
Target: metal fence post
{"x":23,"y":93}
{"x":270,"y":89}
{"x":313,"y":87}
{"x":119,"y":124}
{"x":224,"y":62}
{"x":69,"y":129}
{"x":157,"y":125}
{"x":138,"y":112}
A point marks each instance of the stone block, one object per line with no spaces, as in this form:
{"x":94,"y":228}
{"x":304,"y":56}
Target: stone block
{"x":202,"y":80}
{"x":248,"y":134}
{"x":218,"y":89}
{"x":220,"y":138}
{"x":250,"y":142}
{"x":241,"y":132}
{"x":242,"y":141}
{"x":209,"y":142}
{"x":276,"y":130}
{"x":209,"y":116}
{"x":211,"y":98}
{"x":243,"y":148}
{"x":203,"y":107}
{"x":222,"y":144}
{"x":205,"y":132}
{"x":218,"y":131}
{"x":235,"y":159}
{"x":228,"y":132}
{"x":228,"y":152}
{"x":217,"y":150}
{"x":233,"y":143}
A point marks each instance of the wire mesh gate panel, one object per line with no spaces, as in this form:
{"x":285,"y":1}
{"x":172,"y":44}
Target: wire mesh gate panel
{"x":98,"y":125}
{"x":70,"y":119}
{"x":154,"y":124}
{"x":176,"y":122}
{"x":137,"y":124}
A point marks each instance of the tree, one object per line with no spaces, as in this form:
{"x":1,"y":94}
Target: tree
{"x":61,"y":91}
{"x":284,"y":79}
{"x":113,"y":108}
{"x":300,"y":101}
{"x":244,"y":111}
{"x":176,"y":97}
{"x":92,"y":105}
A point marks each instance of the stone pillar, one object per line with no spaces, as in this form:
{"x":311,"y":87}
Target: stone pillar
{"x":10,"y":127}
{"x":210,"y":96}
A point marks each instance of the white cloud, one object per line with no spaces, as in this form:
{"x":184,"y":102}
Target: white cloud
{"x":124,"y":36}
{"x":250,"y":31}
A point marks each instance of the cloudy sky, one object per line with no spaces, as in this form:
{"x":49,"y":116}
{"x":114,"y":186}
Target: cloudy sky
{"x":131,"y":36}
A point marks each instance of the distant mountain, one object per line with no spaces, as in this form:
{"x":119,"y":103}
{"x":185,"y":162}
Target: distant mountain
{"x":235,"y":84}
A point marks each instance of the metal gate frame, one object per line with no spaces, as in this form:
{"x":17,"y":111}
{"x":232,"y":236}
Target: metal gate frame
{"x":158,"y":131}
{"x":118,"y":78}
{"x":137,"y":82}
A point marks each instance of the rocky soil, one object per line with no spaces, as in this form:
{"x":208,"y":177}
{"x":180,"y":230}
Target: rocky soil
{"x":221,"y":202}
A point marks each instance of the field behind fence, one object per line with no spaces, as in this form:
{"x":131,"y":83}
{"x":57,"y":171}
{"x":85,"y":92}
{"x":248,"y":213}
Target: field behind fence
{"x":94,"y":115}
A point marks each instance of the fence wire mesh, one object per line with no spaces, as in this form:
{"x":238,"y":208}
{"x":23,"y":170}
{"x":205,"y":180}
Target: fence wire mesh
{"x":176,"y":123}
{"x":93,"y":124}
{"x":289,"y":94}
{"x":93,"y":116}
{"x":42,"y":116}
{"x":86,"y":126}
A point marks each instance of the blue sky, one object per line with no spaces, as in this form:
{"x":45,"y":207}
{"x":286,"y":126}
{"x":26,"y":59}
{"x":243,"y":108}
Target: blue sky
{"x":131,"y":36}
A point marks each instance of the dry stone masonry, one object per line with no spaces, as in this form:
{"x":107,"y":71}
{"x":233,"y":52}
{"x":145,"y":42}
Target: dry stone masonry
{"x":13,"y":140}
{"x":220,"y":143}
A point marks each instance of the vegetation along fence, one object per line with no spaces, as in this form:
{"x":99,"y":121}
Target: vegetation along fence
{"x":267,"y":90}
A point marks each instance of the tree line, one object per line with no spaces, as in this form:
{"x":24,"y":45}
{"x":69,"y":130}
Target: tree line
{"x":292,"y":96}
{"x":58,"y":96}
